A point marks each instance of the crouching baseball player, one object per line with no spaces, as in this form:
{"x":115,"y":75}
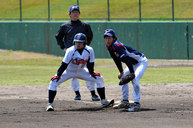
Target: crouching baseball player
{"x":73,"y":66}
{"x":136,"y":65}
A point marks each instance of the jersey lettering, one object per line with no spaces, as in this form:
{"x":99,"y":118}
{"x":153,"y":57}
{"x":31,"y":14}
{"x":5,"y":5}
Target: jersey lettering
{"x":78,"y":61}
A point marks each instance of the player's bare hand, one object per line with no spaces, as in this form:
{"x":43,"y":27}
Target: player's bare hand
{"x":64,"y":49}
{"x":120,"y":75}
{"x":94,"y":74}
{"x":55,"y":78}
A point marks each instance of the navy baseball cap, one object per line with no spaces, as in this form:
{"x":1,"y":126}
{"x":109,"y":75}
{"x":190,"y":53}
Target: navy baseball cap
{"x":109,"y":32}
{"x":74,"y":7}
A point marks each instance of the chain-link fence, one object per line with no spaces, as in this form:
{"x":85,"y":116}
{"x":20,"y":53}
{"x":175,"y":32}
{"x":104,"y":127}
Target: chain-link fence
{"x":106,"y":10}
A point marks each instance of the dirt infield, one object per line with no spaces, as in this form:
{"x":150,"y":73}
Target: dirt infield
{"x":163,"y":106}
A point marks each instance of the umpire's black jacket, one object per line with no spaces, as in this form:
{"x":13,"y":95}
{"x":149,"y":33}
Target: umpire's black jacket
{"x":68,"y":30}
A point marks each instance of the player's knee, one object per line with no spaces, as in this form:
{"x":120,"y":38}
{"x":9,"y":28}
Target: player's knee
{"x":100,"y":83}
{"x":53,"y":85}
{"x":135,"y":82}
{"x":100,"y":79}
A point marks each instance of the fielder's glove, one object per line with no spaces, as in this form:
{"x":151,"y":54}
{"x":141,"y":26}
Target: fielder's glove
{"x":126,"y":79}
{"x":94,"y":74}
{"x":55,"y":77}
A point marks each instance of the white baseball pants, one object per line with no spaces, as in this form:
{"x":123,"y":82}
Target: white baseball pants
{"x":139,"y":70}
{"x":84,"y":75}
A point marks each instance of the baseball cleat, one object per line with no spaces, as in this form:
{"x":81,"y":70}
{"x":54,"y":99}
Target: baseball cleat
{"x":135,"y":108}
{"x":95,"y":98}
{"x":106,"y":103}
{"x":77,"y":97}
{"x":122,"y":104}
{"x":50,"y":107}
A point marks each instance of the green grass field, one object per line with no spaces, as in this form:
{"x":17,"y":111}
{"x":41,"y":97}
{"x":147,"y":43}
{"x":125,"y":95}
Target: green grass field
{"x":97,"y":9}
{"x":25,"y":68}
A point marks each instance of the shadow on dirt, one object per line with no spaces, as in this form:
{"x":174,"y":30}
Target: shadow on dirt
{"x":86,"y":109}
{"x":142,"y":109}
{"x":101,"y":108}
{"x":147,"y":109}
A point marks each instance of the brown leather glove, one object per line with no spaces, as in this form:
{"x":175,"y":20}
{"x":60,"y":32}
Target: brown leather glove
{"x":127,"y":79}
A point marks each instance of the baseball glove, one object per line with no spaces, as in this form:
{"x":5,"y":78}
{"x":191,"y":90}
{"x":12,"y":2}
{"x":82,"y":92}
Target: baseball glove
{"x":127,"y":79}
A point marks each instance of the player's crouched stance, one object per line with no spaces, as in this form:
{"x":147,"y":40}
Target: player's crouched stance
{"x":136,"y":65}
{"x":73,"y":66}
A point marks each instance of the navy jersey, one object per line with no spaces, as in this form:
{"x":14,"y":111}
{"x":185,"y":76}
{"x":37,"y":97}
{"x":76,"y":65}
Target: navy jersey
{"x":123,"y":53}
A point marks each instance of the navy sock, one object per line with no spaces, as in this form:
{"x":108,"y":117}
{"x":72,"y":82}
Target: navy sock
{"x":92,"y":92}
{"x":51,"y":96}
{"x":101,"y":92}
{"x":77,"y":93}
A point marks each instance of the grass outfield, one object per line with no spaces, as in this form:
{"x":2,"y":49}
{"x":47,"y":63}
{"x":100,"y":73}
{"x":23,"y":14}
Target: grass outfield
{"x":25,"y":68}
{"x":97,"y":9}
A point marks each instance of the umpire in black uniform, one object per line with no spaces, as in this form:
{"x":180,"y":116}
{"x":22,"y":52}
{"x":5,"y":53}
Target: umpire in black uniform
{"x":65,"y":38}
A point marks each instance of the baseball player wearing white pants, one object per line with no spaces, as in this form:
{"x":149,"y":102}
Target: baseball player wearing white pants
{"x":65,"y":36}
{"x":136,"y":65}
{"x":78,"y":62}
{"x":139,"y":70}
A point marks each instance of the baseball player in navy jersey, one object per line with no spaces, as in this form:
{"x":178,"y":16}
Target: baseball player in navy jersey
{"x":64,"y":39}
{"x":78,"y":62}
{"x":136,"y":64}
